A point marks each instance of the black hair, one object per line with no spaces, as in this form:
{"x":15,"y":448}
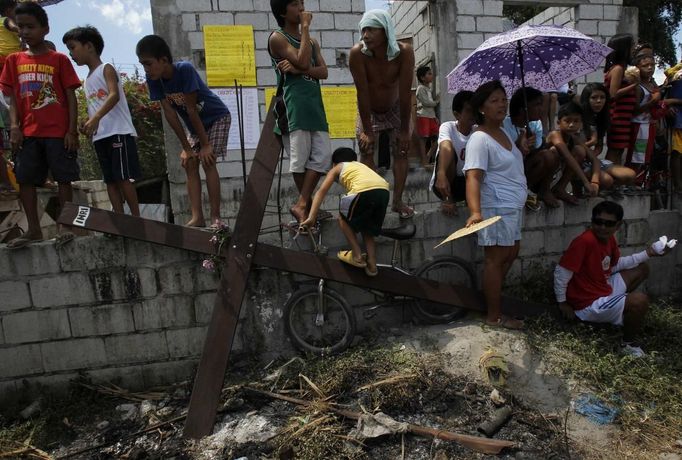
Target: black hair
{"x":643,"y":45}
{"x":608,"y":207}
{"x":279,"y":9}
{"x":461,"y":98}
{"x":83,"y":35}
{"x":568,"y":109}
{"x":517,"y":102}
{"x":601,"y":119}
{"x":33,"y":9}
{"x":621,"y":44}
{"x":481,"y":95}
{"x":153,"y":46}
{"x":422,"y":71}
{"x":343,"y":154}
{"x":641,"y":56}
{"x":6,"y":4}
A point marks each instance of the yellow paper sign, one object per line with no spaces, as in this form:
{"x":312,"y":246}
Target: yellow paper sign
{"x":230,"y":55}
{"x":340,"y":105}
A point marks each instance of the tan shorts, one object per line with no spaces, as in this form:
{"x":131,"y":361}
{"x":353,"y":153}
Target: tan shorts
{"x":308,"y":150}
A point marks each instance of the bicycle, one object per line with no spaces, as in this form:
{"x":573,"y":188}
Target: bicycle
{"x":319,"y":320}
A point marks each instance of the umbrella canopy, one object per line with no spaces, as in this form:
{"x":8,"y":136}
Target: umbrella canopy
{"x":542,"y":57}
{"x":43,"y":2}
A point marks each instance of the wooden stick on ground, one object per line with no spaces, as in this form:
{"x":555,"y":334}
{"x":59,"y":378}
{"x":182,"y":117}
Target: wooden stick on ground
{"x":483,"y":445}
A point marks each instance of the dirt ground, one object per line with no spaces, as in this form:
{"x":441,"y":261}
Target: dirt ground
{"x":434,"y":380}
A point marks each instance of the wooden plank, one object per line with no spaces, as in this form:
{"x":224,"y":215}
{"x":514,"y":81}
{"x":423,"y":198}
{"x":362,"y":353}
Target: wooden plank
{"x":304,"y":263}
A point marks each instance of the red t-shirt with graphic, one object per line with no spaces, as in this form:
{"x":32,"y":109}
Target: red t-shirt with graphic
{"x":591,"y":262}
{"x":39,"y":84}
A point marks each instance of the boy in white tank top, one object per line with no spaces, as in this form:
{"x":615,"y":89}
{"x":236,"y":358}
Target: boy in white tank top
{"x":109,"y":122}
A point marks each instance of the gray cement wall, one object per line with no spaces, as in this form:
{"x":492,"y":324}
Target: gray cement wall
{"x":136,"y":313}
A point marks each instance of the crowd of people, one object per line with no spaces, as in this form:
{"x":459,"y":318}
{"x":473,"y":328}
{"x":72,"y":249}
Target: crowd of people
{"x":500,"y":155}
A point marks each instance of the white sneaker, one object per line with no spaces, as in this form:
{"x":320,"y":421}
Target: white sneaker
{"x":632,"y":350}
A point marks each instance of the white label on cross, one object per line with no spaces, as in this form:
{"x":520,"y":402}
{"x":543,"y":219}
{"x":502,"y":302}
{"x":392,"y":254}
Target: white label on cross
{"x":82,"y":216}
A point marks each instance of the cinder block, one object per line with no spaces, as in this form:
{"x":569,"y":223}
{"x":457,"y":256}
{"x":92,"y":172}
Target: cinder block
{"x":169,"y":372}
{"x":581,"y":213}
{"x":612,"y":12}
{"x":69,"y":289}
{"x":608,"y":28}
{"x":470,"y":7}
{"x":588,"y":27}
{"x":136,"y":348}
{"x":73,"y":354}
{"x":345,"y":22}
{"x":184,"y":343}
{"x":162,"y":312}
{"x":358,"y":6}
{"x":178,"y":278}
{"x":262,"y":60}
{"x":2,"y":334}
{"x":488,"y":24}
{"x":213,"y":18}
{"x":14,"y":295}
{"x":336,"y":5}
{"x":340,"y":39}
{"x":129,"y":377}
{"x":493,"y":8}
{"x":189,"y":22}
{"x":196,"y":40}
{"x":143,"y":254}
{"x":555,"y":241}
{"x":266,"y":77}
{"x":203,"y":307}
{"x":147,"y":283}
{"x":465,"y":24}
{"x":545,"y":217}
{"x":104,"y":320}
{"x":239,"y":5}
{"x":259,"y":21}
{"x":532,"y":243}
{"x":20,"y":361}
{"x":207,"y":280}
{"x":469,"y":40}
{"x":36,"y":259}
{"x":8,"y":391}
{"x":589,"y":11}
{"x":92,"y":253}
{"x":637,"y":232}
{"x":36,"y":326}
{"x":194,"y":5}
{"x":339,"y":76}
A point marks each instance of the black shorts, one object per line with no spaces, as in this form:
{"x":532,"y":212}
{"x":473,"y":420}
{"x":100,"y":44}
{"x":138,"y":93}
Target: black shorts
{"x":40,"y":154}
{"x":118,"y":158}
{"x":457,"y":188}
{"x":367,"y":212}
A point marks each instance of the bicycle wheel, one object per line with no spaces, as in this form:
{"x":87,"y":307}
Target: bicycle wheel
{"x":319,"y":329}
{"x":444,"y":269}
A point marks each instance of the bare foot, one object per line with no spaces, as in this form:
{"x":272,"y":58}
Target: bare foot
{"x":563,"y":195}
{"x":196,"y":223}
{"x":299,"y":213}
{"x":549,"y":199}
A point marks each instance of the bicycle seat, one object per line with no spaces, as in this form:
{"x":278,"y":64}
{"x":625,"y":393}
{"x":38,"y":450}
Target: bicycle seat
{"x":404,"y":232}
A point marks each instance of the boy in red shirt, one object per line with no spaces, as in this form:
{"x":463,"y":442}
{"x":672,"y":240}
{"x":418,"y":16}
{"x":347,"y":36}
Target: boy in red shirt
{"x":593,"y":282}
{"x":43,"y":111}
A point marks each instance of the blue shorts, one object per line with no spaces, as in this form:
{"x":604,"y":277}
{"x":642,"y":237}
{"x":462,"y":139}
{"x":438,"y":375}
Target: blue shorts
{"x":38,"y":154}
{"x":504,"y":232}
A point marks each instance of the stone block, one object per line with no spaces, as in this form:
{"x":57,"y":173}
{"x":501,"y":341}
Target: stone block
{"x":189,"y":22}
{"x":555,"y":240}
{"x":336,"y":5}
{"x":342,"y":22}
{"x":101,"y":320}
{"x":470,"y":7}
{"x":213,"y":18}
{"x":611,"y":12}
{"x":183,"y":343}
{"x":157,"y":374}
{"x":177,"y":278}
{"x":136,"y":348}
{"x":73,"y":354}
{"x":546,"y":217}
{"x":488,"y":24}
{"x":340,"y":39}
{"x":358,"y":6}
{"x":207,"y":280}
{"x":588,"y":27}
{"x":203,"y":307}
{"x":637,"y":232}
{"x":532,"y":243}
{"x":162,"y":312}
{"x":266,"y":77}
{"x":14,"y":295}
{"x":590,"y":11}
{"x":608,"y":28}
{"x":239,"y":5}
{"x":582,"y":213}
{"x":195,"y":5}
{"x":143,"y":254}
{"x":262,"y":60}
{"x":465,"y":24}
{"x":129,"y":377}
{"x":115,"y":285}
{"x":196,"y":40}
{"x":469,"y":40}
{"x":92,"y":253}
{"x":20,"y":361}
{"x":493,"y":8}
{"x":147,"y":287}
{"x":339,"y":76}
{"x":259,"y":21}
{"x":36,"y":326}
{"x":36,"y":259}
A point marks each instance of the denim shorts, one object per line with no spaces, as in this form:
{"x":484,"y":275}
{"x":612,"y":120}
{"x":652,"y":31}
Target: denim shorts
{"x":504,"y":232}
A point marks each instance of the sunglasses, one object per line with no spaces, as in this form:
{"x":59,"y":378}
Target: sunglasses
{"x":604,"y":222}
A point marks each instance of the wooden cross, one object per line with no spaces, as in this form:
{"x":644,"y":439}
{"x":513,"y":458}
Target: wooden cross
{"x":240,"y":253}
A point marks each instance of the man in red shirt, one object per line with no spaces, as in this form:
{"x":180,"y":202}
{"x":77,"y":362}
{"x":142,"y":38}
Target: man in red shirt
{"x":594,"y":283}
{"x":43,"y":112}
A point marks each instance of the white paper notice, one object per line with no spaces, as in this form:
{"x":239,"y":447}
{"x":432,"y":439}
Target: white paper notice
{"x":251,"y":117}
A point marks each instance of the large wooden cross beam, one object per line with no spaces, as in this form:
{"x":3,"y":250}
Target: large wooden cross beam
{"x":244,"y":250}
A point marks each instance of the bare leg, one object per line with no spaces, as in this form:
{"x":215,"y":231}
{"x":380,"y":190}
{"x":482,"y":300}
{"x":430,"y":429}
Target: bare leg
{"x":539,"y":170}
{"x":308,"y":181}
{"x":352,"y":239}
{"x":636,"y":308}
{"x":400,"y":166}
{"x":194,"y":193}
{"x":65,"y":193}
{"x":496,"y":265}
{"x":4,"y":177}
{"x":115,"y":197}
{"x":370,"y":246}
{"x":130,"y":194}
{"x":29,"y":200}
{"x":213,"y":187}
{"x":621,"y":175}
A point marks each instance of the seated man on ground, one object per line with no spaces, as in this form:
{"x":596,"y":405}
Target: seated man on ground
{"x":447,"y":181}
{"x":539,"y":163}
{"x":362,"y":210}
{"x":594,"y":283}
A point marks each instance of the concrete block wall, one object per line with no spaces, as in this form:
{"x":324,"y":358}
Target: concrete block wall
{"x":136,"y":313}
{"x":334,"y":26}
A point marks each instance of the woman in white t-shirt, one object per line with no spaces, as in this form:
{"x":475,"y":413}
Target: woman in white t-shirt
{"x":495,"y":186}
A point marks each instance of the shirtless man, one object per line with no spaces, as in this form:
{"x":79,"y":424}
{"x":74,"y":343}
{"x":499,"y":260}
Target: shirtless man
{"x":382,"y":70}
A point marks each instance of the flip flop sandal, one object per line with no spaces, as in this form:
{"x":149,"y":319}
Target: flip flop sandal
{"x":63,"y":238}
{"x":347,"y":257}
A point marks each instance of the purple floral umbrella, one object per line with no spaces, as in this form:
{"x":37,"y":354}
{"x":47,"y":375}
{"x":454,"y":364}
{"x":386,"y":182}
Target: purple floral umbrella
{"x":542,"y":57}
